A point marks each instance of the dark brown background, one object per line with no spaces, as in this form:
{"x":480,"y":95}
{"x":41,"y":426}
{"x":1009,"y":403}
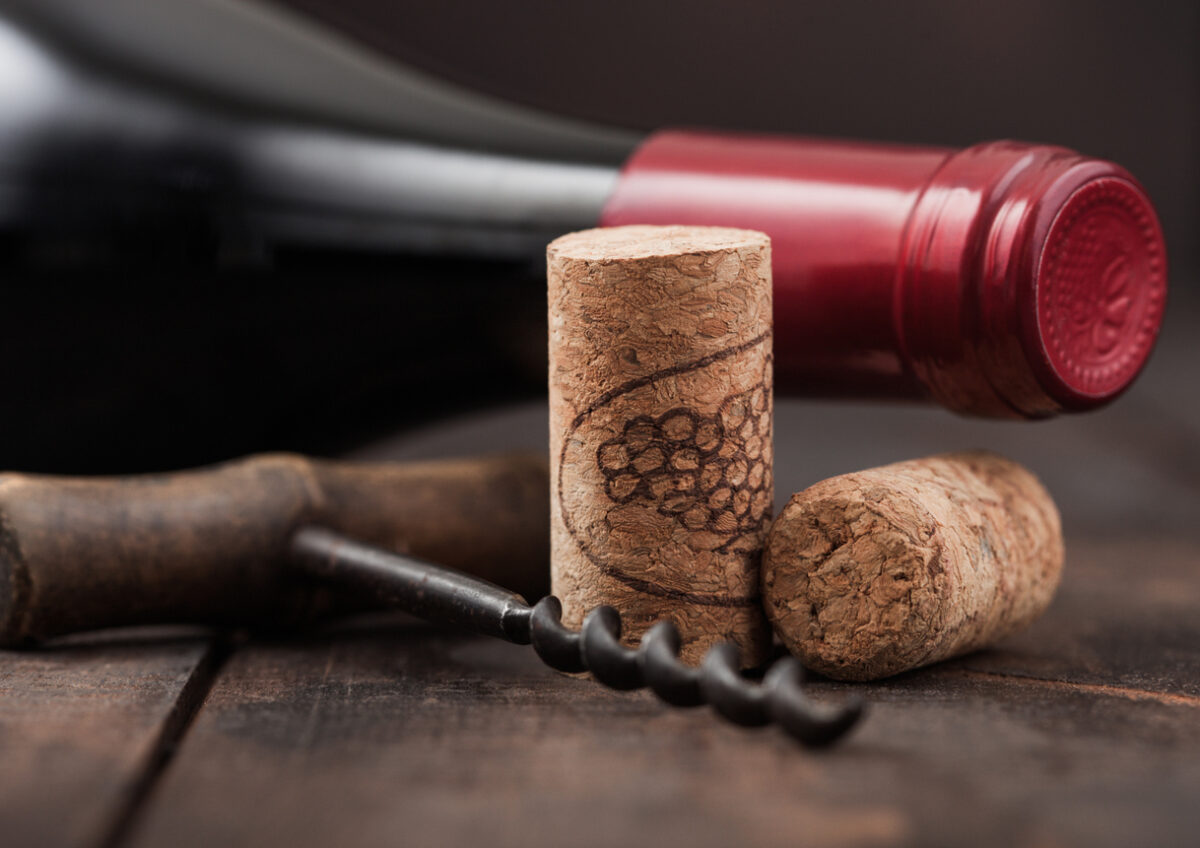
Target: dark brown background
{"x":1112,"y":79}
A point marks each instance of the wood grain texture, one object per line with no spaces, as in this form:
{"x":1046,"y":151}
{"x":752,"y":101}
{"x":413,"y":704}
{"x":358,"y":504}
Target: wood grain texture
{"x":1128,"y":617}
{"x":80,"y":729}
{"x":660,"y":429}
{"x":409,"y":734}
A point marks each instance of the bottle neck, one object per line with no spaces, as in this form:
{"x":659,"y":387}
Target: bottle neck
{"x":835,"y":211}
{"x":1004,"y":280}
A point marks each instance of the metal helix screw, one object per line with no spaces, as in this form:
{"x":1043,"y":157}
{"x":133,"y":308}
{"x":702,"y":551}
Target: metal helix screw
{"x":438,"y":593}
{"x":779,"y":699}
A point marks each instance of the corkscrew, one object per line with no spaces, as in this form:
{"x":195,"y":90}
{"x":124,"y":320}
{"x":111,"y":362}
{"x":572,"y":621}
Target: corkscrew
{"x":441,"y":594}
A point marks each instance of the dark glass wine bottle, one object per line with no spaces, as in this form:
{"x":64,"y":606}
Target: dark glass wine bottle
{"x":1003,"y":280}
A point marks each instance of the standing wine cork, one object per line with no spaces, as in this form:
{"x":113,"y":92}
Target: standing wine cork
{"x":870,"y":574}
{"x":660,"y":429}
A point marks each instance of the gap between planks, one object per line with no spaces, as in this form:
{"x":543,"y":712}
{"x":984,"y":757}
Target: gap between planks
{"x":187,"y":705}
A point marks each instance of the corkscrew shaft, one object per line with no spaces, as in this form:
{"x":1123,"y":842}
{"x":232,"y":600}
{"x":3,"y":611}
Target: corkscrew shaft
{"x":427,"y":590}
{"x":444,"y":595}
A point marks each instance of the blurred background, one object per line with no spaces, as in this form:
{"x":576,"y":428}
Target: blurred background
{"x":1107,"y":78}
{"x":180,"y":286}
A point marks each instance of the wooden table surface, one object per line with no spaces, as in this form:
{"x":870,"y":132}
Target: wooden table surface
{"x":1083,"y":731}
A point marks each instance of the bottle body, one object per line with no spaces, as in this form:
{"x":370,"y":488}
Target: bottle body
{"x":1004,"y":280}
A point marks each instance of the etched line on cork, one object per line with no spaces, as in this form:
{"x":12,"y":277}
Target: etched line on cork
{"x":661,"y":375}
{"x":625,"y":388}
{"x":705,"y":471}
{"x":735,"y":450}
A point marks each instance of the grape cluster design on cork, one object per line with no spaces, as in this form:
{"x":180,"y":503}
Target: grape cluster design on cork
{"x":709,"y":472}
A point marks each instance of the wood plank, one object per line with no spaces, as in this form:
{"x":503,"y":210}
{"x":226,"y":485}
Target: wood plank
{"x":1127,"y":615}
{"x":1085,"y":731}
{"x":81,"y":727}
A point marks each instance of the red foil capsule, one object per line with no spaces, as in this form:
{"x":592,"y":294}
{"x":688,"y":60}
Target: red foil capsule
{"x":1004,"y":280}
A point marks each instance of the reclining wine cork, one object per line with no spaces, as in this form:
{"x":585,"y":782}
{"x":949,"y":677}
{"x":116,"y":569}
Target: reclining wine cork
{"x":660,"y":429}
{"x":870,"y":574}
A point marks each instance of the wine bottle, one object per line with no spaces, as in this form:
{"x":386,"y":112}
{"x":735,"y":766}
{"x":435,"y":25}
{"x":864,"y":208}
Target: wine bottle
{"x":1003,"y":280}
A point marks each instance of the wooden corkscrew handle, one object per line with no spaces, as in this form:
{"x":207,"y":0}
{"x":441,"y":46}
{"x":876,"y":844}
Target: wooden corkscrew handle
{"x":210,"y":545}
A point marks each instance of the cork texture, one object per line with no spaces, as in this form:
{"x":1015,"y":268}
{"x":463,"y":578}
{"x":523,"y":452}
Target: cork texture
{"x":660,"y":429}
{"x":870,"y":574}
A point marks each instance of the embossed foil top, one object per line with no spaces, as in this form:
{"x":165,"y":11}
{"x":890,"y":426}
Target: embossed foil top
{"x":1101,"y":287}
